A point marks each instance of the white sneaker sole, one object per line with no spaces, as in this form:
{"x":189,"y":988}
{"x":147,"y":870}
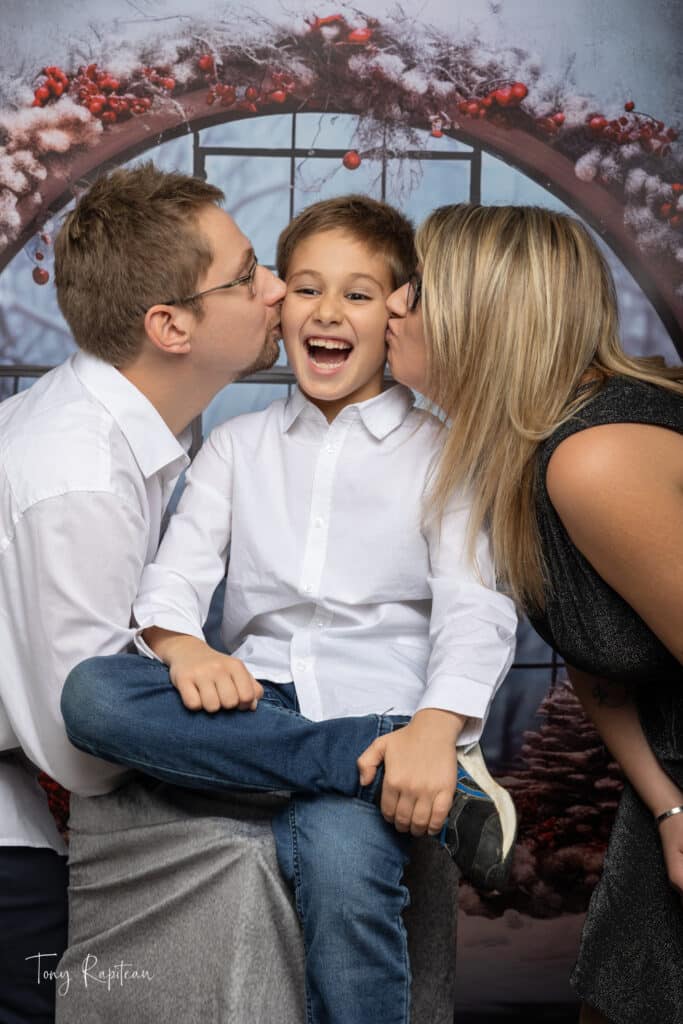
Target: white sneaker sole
{"x":474,"y":764}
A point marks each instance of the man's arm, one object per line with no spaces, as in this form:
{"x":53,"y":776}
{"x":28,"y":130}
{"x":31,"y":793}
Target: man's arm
{"x":67,"y":581}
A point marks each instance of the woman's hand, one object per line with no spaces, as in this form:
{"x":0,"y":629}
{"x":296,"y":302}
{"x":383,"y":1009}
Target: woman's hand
{"x":205,"y":679}
{"x":420,"y":771}
{"x":671,"y":834}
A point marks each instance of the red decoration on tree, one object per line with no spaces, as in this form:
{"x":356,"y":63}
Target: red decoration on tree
{"x":40,"y":275}
{"x":629,"y":106}
{"x":206,"y":63}
{"x":352,"y":160}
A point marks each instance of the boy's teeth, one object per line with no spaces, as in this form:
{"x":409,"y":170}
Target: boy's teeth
{"x":328,"y":343}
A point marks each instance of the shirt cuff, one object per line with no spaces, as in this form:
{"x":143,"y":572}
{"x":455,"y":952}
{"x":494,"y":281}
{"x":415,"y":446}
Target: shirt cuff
{"x":175,"y":625}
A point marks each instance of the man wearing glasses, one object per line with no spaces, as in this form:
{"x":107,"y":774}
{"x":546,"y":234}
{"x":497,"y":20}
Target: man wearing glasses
{"x":167,"y":304}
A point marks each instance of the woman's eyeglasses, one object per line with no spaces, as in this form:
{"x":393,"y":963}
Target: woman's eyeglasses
{"x":414,"y":291}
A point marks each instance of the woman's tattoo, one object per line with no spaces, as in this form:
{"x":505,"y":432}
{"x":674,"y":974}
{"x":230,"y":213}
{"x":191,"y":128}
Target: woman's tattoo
{"x":612,"y":694}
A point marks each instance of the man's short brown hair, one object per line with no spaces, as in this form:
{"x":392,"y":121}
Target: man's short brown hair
{"x":131,"y":241}
{"x":380,"y":226}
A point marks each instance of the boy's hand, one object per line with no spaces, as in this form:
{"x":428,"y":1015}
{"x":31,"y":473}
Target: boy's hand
{"x":204,"y":678}
{"x":420,"y":771}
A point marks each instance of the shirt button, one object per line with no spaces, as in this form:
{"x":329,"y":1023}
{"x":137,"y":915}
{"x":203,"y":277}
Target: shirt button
{"x":331,"y":449}
{"x":319,"y":521}
{"x":308,"y":588}
{"x":320,"y":625}
{"x":301,"y":666}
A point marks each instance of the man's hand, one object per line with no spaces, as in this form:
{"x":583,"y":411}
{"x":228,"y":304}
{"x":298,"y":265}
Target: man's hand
{"x":671,"y":834}
{"x":420,"y":771}
{"x":205,"y":679}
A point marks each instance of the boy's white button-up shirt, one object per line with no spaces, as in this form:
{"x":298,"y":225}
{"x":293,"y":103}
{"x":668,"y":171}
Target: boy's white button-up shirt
{"x":334,"y":580}
{"x":86,"y":468}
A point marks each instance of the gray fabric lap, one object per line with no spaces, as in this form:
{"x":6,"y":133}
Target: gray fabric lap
{"x":186,"y":887}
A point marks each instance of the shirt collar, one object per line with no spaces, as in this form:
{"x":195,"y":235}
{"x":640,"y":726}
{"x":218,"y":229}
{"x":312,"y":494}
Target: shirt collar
{"x":380,"y":415}
{"x":151,"y":441}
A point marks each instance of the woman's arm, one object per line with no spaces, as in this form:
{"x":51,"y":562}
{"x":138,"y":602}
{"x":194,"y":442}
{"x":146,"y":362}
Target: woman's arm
{"x":618,"y":490}
{"x":612,"y":710}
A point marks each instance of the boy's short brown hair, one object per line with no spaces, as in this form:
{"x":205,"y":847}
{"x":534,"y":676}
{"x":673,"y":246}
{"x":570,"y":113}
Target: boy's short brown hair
{"x":131,"y":241}
{"x":379,"y":225}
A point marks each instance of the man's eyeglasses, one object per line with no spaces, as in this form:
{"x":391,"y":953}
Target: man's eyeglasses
{"x":414,"y":291}
{"x":247,"y":279}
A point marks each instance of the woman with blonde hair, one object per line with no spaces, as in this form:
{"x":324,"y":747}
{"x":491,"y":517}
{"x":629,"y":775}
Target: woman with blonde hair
{"x":573,"y":454}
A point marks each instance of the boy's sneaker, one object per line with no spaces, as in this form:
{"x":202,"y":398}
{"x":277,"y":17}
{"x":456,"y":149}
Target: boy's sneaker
{"x":482,"y":824}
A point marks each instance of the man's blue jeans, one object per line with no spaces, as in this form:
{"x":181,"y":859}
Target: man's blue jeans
{"x":342,"y":860}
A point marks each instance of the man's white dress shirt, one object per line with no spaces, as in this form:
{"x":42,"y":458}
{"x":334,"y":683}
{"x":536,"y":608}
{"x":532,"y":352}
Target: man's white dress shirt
{"x":334,"y":581}
{"x":86,"y":468}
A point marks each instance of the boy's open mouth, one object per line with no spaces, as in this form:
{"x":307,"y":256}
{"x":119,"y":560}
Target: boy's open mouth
{"x":328,"y":353}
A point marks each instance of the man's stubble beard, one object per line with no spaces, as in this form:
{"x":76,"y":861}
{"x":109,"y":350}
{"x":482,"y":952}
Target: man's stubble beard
{"x":266,"y":357}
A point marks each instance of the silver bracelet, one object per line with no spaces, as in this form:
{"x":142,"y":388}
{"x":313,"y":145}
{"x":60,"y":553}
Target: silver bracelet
{"x":669,"y":814}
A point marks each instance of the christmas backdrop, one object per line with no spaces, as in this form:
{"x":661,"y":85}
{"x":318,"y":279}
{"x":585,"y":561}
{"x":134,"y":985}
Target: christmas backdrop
{"x":575,"y":108}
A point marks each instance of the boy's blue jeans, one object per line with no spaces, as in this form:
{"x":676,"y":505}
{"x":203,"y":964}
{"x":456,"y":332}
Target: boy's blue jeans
{"x":342,"y":860}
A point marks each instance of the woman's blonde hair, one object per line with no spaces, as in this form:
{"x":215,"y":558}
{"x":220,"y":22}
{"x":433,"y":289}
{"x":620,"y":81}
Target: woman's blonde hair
{"x":518,"y":304}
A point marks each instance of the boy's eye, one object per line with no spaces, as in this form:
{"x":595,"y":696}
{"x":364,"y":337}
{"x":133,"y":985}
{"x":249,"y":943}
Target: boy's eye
{"x":306,"y":290}
{"x":357,"y":295}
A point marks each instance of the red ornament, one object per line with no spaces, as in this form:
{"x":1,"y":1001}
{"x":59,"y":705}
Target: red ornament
{"x":352,"y":160}
{"x":665,"y":209}
{"x":677,"y":188}
{"x":205,"y":62}
{"x":168,"y":83}
{"x":676,"y":220}
{"x":228,"y":96}
{"x":437,"y":133}
{"x":558,"y":118}
{"x":472,"y":108}
{"x":109,"y":117}
{"x":519,"y":91}
{"x":629,"y":106}
{"x":359,"y":36}
{"x":39,"y":255}
{"x":597,"y":124}
{"x":462,"y":106}
{"x":251,"y":93}
{"x":278,"y":96}
{"x":503,"y":96}
{"x":42,"y":93}
{"x":40,"y":275}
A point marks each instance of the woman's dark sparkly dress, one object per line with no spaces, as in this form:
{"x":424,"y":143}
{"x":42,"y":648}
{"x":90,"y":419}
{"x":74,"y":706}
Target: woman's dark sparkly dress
{"x":630,"y":963}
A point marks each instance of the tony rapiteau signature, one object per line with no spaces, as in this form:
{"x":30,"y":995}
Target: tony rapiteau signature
{"x":113,"y":975}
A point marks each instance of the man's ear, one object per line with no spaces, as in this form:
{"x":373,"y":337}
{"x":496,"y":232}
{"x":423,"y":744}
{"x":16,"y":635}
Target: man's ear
{"x":168,"y":328}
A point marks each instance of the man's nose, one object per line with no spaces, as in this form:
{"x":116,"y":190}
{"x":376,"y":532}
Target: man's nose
{"x":274,"y":288}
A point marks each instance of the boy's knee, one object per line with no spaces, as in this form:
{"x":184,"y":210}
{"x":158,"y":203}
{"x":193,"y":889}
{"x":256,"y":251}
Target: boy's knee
{"x":80,"y":690}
